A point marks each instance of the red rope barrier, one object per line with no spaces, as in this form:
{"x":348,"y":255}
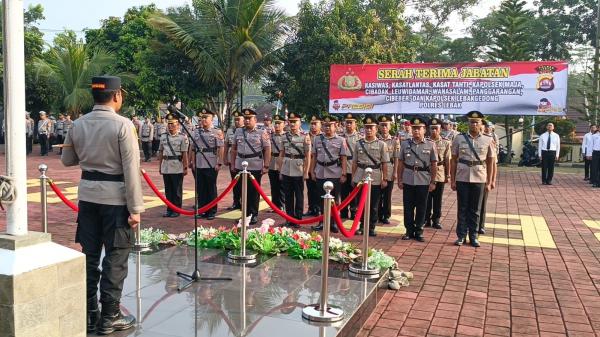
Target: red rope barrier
{"x":62,"y":197}
{"x":350,"y":196}
{"x":359,"y":211}
{"x":181,"y":210}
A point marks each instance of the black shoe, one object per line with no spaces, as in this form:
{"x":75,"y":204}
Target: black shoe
{"x":174,"y":215}
{"x":427,"y":224}
{"x":474,"y":242}
{"x":419,"y":238}
{"x":199,"y":216}
{"x":113,"y":319}
{"x":481,"y":231}
{"x":372,"y":232}
{"x":334,"y":228}
{"x":309,"y":213}
{"x":459,"y":241}
{"x":359,"y":231}
{"x":406,"y":237}
{"x":586,"y":179}
{"x":166,"y":214}
{"x":234,"y":207}
{"x":93,"y":314}
{"x":385,"y":221}
{"x":437,"y":225}
{"x":544,"y":183}
{"x":254,"y":219}
{"x":318,"y":227}
{"x":549,"y":183}
{"x":210,"y":217}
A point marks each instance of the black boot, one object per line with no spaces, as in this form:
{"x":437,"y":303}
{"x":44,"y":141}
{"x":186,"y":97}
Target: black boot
{"x":93,"y":314}
{"x":372,"y":230}
{"x":319,"y":227}
{"x":473,"y":240}
{"x":334,"y":228}
{"x":113,"y":319}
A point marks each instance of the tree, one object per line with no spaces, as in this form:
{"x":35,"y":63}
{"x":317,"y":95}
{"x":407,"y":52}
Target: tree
{"x":228,"y":40}
{"x":510,"y":41}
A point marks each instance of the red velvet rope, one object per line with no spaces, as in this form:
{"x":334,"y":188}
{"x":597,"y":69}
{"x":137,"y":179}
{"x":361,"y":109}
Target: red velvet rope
{"x":350,"y":196}
{"x":181,"y":210}
{"x":62,"y":196}
{"x":359,"y":211}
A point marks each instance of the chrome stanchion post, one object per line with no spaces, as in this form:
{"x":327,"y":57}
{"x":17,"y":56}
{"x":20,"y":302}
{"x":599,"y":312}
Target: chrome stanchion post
{"x":43,"y":168}
{"x":242,"y":255}
{"x":322,"y":312}
{"x":138,"y":289}
{"x":139,"y":245}
{"x":362,"y":269}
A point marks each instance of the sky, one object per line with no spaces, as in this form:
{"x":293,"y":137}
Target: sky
{"x":80,"y":14}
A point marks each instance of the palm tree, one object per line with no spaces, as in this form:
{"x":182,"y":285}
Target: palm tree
{"x":71,"y":67}
{"x":228,"y":40}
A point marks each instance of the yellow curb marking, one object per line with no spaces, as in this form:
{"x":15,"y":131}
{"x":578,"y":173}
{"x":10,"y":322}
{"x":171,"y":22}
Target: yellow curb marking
{"x":534,"y":229}
{"x":592,"y":224}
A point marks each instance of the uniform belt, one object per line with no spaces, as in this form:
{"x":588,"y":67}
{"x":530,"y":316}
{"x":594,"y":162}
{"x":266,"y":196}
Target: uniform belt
{"x":349,"y":157}
{"x":294,"y":156}
{"x":99,"y":176}
{"x":247,"y":156}
{"x":329,"y":163}
{"x":440,"y":163}
{"x":364,"y":166}
{"x":172,"y":158}
{"x":274,"y":154}
{"x":471,"y":163}
{"x":416,"y":168}
{"x":209,"y":149}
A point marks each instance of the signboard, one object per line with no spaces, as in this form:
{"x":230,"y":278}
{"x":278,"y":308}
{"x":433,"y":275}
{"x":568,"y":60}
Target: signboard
{"x":499,"y":88}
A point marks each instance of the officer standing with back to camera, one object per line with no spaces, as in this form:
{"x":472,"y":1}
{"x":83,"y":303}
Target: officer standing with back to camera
{"x":471,"y":171}
{"x":254,"y":146}
{"x":274,"y":168}
{"x":294,"y":160}
{"x":207,"y":161}
{"x":328,"y":163}
{"x":238,"y":122}
{"x":371,"y":153}
{"x":173,"y":163}
{"x":434,"y":200}
{"x":312,"y":190}
{"x":417,"y":169}
{"x":105,"y":146}
{"x":385,"y":206}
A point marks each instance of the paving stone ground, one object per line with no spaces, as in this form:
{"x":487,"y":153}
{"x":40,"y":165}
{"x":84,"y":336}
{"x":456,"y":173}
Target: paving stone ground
{"x":536,"y":274}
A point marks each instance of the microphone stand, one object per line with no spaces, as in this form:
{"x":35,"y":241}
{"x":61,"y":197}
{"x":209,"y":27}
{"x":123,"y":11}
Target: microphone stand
{"x":195,"y":275}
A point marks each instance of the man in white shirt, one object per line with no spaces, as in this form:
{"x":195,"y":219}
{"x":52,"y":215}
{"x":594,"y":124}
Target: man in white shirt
{"x":548,"y":151}
{"x":592,"y":154}
{"x":587,"y":142}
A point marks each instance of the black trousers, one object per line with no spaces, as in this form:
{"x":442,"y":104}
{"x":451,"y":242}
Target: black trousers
{"x":373,"y":207}
{"x":469,"y":197}
{"x":312,"y":192}
{"x":595,"y":168}
{"x":174,"y":188}
{"x":43,"y":139}
{"x":293,"y":189}
{"x":321,"y":192}
{"x":434,"y":203}
{"x":276,"y":192}
{"x":587,"y":166}
{"x":206,"y":185}
{"x":155,"y":146}
{"x":28,"y":144}
{"x":237,"y":189}
{"x":385,"y":205}
{"x":414,"y":198}
{"x":482,"y":210}
{"x":346,"y":189}
{"x":51,"y":141}
{"x":548,"y":159}
{"x":252,"y":195}
{"x":147,"y":148}
{"x":104,"y":226}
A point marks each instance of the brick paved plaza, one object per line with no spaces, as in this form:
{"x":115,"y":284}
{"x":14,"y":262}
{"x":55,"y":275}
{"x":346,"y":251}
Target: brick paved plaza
{"x":536,"y":274}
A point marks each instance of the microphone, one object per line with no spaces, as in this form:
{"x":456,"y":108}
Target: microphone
{"x":172,"y":109}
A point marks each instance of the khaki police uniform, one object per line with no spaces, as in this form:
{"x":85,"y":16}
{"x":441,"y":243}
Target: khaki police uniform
{"x":237,"y":189}
{"x":312,"y":190}
{"x":44,"y":129}
{"x":471,"y":177}
{"x":351,"y":141}
{"x":434,"y":200}
{"x":295,"y":158}
{"x":274,"y":170}
{"x":160,"y":127}
{"x":28,"y":134}
{"x":105,"y":146}
{"x":172,"y":151}
{"x":59,"y":128}
{"x":208,"y":162}
{"x":385,"y":206}
{"x":146,"y":136}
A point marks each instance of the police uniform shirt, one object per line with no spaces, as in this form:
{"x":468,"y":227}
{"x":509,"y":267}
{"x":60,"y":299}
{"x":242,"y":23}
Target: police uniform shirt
{"x":443,"y":151}
{"x":60,"y":126}
{"x":68,"y":124}
{"x":404,"y":135}
{"x":276,"y":147}
{"x":146,"y":132}
{"x":44,"y":126}
{"x":351,"y":141}
{"x":179,"y":144}
{"x":114,"y":150}
{"x":214,"y":139}
{"x":28,"y":128}
{"x":257,"y":142}
{"x":426,"y":154}
{"x":294,"y":167}
{"x":159,"y":129}
{"x":376,"y":149}
{"x":449,"y":134}
{"x":336,"y":146}
{"x":485,"y":147}
{"x":392,"y":148}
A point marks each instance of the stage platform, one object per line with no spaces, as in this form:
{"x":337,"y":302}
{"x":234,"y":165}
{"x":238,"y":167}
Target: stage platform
{"x":267,"y":301}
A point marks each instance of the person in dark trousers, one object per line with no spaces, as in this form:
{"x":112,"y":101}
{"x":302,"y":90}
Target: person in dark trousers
{"x":548,"y":151}
{"x":593,"y":155}
{"x":434,"y":200}
{"x":146,"y":136}
{"x":44,"y":133}
{"x":238,"y":122}
{"x":385,"y":205}
{"x":312,"y":190}
{"x":585,"y":144}
{"x":274,"y":169}
{"x":351,"y":136}
{"x":105,"y":146}
{"x":173,"y":163}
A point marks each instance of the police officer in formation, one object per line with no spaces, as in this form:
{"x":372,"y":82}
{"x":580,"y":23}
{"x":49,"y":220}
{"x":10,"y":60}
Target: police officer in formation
{"x":385,"y":206}
{"x":434,"y":200}
{"x":274,"y":168}
{"x":59,"y":127}
{"x":585,"y":144}
{"x":238,"y":122}
{"x":471,"y":171}
{"x":294,"y":160}
{"x":173,"y":163}
{"x":254,"y":146}
{"x":159,"y":128}
{"x":488,"y":130}
{"x":28,"y":133}
{"x":406,"y":131}
{"x":371,"y":153}
{"x":328,"y":163}
{"x":146,"y":136}
{"x":44,"y":130}
{"x":312,"y":190}
{"x":351,"y":136}
{"x":207,"y":159}
{"x":447,"y":131}
{"x":417,"y":169}
{"x":105,"y":146}
{"x":592,"y":154}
